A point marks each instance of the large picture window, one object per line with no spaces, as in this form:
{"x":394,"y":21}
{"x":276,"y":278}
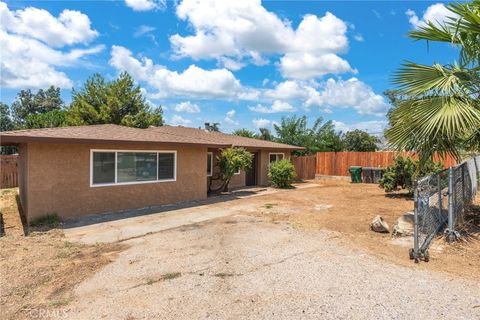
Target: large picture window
{"x":112,"y":167}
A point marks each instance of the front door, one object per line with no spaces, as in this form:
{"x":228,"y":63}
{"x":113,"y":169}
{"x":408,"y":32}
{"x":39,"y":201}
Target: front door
{"x":251,"y":174}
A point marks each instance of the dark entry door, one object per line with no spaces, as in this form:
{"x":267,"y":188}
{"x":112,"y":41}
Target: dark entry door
{"x":251,"y":174}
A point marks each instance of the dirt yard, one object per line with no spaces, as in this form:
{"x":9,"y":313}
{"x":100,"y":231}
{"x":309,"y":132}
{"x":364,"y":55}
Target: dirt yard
{"x":349,"y":208}
{"x":38,"y":272}
{"x":310,"y":248}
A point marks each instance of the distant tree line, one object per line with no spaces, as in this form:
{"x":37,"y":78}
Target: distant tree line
{"x":321,"y":137}
{"x":119,"y":101}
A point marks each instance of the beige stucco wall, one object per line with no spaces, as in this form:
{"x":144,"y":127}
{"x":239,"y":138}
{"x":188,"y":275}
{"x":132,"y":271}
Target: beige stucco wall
{"x":58,"y":181}
{"x":23,"y":176}
{"x":263,"y":159}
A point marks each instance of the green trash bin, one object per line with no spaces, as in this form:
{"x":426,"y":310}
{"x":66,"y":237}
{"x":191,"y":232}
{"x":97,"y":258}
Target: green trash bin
{"x":355,"y":174}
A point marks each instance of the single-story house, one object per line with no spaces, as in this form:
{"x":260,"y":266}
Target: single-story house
{"x":76,"y":171}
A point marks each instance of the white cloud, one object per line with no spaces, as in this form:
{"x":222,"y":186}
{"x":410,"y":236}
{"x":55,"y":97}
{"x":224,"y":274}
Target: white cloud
{"x":372,"y":127}
{"x":358,"y":37}
{"x":179,"y":120}
{"x":351,"y":93}
{"x":142,"y":30}
{"x":436,"y":13}
{"x":71,"y":27}
{"x":146,"y":5}
{"x":187,"y":107}
{"x":276,"y":107}
{"x":307,"y":65}
{"x":230,"y":64}
{"x":192,"y":82}
{"x":287,"y":90}
{"x":230,"y":117}
{"x":245,"y":31}
{"x":31,"y":42}
{"x":262,"y":123}
{"x":376,"y":13}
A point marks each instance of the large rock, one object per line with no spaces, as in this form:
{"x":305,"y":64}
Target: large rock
{"x":404,"y":225}
{"x":379,"y":225}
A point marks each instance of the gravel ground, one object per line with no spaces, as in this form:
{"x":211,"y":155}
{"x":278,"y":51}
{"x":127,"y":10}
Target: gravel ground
{"x":244,"y":268}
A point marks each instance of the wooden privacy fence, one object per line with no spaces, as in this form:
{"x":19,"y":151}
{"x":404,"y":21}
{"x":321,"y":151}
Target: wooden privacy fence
{"x":337,"y":163}
{"x":8,"y":171}
{"x":305,"y":167}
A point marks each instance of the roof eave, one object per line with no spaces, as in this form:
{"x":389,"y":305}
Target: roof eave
{"x":16,"y":140}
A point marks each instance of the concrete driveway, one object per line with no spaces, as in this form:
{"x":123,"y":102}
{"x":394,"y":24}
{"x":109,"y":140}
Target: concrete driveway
{"x":136,"y":223}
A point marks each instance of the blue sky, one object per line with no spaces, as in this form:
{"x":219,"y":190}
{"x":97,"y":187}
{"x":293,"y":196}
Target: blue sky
{"x":244,"y":64}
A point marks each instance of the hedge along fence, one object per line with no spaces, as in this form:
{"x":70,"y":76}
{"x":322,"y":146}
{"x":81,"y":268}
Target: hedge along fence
{"x":337,"y":163}
{"x":8,"y":171}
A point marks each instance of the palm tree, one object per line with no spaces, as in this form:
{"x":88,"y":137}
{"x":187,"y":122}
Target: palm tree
{"x":265,"y":134}
{"x":244,"y":133}
{"x":442,"y":109}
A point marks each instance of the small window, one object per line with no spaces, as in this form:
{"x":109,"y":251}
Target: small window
{"x":103,"y":167}
{"x":209,"y":164}
{"x":166,"y":166}
{"x":238,"y":172}
{"x":276,"y":157}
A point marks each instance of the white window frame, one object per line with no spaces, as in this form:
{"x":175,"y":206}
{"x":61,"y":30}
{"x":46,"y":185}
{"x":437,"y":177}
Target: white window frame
{"x":211,"y":164}
{"x":276,"y":154}
{"x":116,"y":151}
{"x":237,"y":173}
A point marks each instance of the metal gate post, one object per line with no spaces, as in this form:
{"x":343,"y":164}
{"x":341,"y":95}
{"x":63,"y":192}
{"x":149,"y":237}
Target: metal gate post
{"x":451,"y":198}
{"x":416,"y":250}
{"x":439,"y":190}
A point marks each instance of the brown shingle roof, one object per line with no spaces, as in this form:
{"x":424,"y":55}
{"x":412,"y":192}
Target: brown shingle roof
{"x":102,"y":133}
{"x":110,"y":133}
{"x":223,"y":138}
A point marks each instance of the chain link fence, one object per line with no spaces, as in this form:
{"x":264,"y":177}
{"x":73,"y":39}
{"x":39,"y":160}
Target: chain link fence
{"x":439,"y":204}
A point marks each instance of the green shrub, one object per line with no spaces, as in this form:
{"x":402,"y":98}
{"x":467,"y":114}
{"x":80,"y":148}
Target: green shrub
{"x":281,"y":173}
{"x":404,"y":172}
{"x":230,"y":161}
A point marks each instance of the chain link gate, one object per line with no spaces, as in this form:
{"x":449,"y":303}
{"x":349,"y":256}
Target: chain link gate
{"x":439,"y":203}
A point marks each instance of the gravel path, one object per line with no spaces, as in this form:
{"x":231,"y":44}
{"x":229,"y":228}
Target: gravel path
{"x":243,"y":268}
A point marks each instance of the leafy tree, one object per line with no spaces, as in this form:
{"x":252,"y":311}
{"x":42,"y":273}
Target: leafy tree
{"x":215,"y":127}
{"x":28,"y":103}
{"x":144,"y":119}
{"x":265,"y":134}
{"x":6,"y":123}
{"x":358,"y":140}
{"x":281,"y":173}
{"x":230,"y":161}
{"x":442,"y":106}
{"x":293,"y":130}
{"x":50,"y":119}
{"x":244,"y":133}
{"x":327,"y":138}
{"x":321,"y":137}
{"x":119,"y":102}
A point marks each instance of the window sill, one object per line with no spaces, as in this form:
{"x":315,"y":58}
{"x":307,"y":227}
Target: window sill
{"x":129,"y":183}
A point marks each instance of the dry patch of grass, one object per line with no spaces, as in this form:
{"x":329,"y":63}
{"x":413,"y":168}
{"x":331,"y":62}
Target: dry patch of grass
{"x":39,"y":271}
{"x":348,"y":209}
